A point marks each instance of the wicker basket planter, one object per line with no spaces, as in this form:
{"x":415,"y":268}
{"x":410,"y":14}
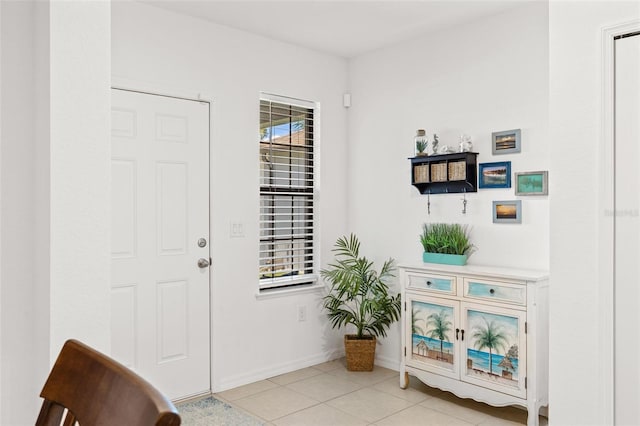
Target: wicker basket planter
{"x":360,"y":352}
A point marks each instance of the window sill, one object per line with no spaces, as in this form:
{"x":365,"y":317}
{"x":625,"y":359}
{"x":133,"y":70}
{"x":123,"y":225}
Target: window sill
{"x":290,"y":291}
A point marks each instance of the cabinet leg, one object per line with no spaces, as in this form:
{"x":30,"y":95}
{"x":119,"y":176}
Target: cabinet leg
{"x":404,"y":380}
{"x":533,"y":414}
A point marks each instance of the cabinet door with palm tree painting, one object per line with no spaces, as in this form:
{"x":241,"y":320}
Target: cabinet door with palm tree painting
{"x":431,"y":345}
{"x":494,"y":347}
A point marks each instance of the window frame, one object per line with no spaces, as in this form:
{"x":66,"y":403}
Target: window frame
{"x":291,"y":283}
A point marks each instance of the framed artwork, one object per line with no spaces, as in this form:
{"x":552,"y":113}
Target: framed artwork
{"x":505,"y":142}
{"x":532,"y":183}
{"x":507,"y":211}
{"x":495,"y":175}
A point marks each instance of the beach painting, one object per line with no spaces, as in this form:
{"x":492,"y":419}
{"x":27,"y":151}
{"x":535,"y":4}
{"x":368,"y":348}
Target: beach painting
{"x":532,"y":183}
{"x":507,"y":211}
{"x":433,"y":334}
{"x":492,"y":347}
{"x":495,"y":175}
{"x":506,"y":142}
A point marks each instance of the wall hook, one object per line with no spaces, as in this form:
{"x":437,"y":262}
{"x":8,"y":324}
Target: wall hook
{"x":464,"y":201}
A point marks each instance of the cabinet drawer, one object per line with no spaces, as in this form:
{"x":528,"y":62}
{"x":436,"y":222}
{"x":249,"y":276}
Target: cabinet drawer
{"x":432,"y":282}
{"x":497,"y":291}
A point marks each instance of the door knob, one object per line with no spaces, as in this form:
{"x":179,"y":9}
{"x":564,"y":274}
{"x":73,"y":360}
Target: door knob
{"x":203,"y":263}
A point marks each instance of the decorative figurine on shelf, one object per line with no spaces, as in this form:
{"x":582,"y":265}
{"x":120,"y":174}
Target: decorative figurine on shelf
{"x":421,"y":142}
{"x":445,"y":149}
{"x":465,"y":143}
{"x":432,"y":148}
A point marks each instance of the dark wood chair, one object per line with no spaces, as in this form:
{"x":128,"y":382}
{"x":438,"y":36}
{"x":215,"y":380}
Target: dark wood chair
{"x":96,"y":390}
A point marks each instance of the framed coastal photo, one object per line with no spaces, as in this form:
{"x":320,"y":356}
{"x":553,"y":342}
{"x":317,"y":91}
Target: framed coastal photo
{"x":505,"y":142}
{"x":495,"y":175}
{"x":532,"y":183}
{"x":507,"y":211}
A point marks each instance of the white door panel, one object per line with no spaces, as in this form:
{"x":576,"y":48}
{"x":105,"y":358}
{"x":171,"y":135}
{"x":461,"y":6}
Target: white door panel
{"x":160,"y":208}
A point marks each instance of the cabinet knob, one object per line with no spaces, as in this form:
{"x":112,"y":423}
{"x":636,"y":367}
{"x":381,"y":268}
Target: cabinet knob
{"x":428,"y":282}
{"x":492,"y":291}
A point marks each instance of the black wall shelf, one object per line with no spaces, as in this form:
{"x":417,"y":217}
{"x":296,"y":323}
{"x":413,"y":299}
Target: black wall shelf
{"x":445,"y":173}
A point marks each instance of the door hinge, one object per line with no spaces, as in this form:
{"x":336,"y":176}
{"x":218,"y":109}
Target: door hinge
{"x":405,"y":306}
{"x":525,"y":382}
{"x":405,"y":351}
{"x":525,"y":327}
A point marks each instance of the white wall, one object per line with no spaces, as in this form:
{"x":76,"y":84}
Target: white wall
{"x":80,"y":150}
{"x":55,"y":191}
{"x":252,"y":339}
{"x":18,"y":391}
{"x":485,"y":76}
{"x":578,"y":395}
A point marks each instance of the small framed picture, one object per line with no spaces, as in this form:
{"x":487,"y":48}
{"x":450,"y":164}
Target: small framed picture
{"x":495,"y":175}
{"x":505,"y":142}
{"x":532,"y":183}
{"x":507,"y":211}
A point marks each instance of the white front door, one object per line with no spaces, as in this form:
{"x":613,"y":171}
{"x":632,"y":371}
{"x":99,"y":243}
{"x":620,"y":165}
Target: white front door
{"x":160,"y":230}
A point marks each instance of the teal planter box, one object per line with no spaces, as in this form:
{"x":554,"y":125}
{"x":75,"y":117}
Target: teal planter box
{"x":447,"y":259}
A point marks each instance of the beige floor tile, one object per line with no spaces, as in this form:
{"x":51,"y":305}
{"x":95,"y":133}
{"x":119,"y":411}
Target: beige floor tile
{"x":324,"y":387}
{"x":498,"y":417}
{"x":246,"y":390}
{"x":320,"y":415}
{"x":294,"y":376}
{"x":416,"y":391}
{"x":361,"y":398}
{"x":331,"y":365}
{"x":366,"y":378}
{"x":275,"y":403}
{"x":513,"y":414}
{"x":369,"y":404}
{"x":464,"y":409}
{"x":496,"y":421}
{"x":419,"y":415}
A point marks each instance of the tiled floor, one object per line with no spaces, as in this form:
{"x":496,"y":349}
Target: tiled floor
{"x":328,"y":394}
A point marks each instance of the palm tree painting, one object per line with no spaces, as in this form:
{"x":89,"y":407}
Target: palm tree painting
{"x":431,"y":329}
{"x":439,"y":326}
{"x":493,"y":334}
{"x":415,"y":314}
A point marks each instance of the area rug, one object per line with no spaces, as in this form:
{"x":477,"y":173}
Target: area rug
{"x":211,"y":411}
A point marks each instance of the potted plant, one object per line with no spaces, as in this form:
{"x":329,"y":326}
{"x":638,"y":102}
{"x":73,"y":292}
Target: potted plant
{"x":446,"y":243}
{"x":359,"y":296}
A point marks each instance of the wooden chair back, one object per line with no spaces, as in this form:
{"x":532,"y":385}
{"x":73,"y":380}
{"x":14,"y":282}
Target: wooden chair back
{"x":88,"y":387}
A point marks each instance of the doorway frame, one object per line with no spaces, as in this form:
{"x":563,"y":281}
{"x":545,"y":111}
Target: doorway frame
{"x":606,"y":228}
{"x":167,"y":90}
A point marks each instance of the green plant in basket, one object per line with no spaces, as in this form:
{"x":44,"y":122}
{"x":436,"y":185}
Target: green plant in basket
{"x":359,"y":295}
{"x":446,"y":238}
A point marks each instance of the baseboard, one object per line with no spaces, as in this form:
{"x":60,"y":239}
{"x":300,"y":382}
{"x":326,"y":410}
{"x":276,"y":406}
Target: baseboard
{"x":275,"y":370}
{"x":191,"y":398}
{"x":386,"y":362}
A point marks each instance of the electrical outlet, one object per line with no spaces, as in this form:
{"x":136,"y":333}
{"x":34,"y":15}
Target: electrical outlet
{"x":302,"y":313}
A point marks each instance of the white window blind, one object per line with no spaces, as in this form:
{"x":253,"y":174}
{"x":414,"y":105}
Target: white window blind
{"x":286,"y":193}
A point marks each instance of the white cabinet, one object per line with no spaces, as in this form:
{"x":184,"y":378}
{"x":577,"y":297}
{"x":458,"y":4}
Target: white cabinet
{"x":479,"y":332}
